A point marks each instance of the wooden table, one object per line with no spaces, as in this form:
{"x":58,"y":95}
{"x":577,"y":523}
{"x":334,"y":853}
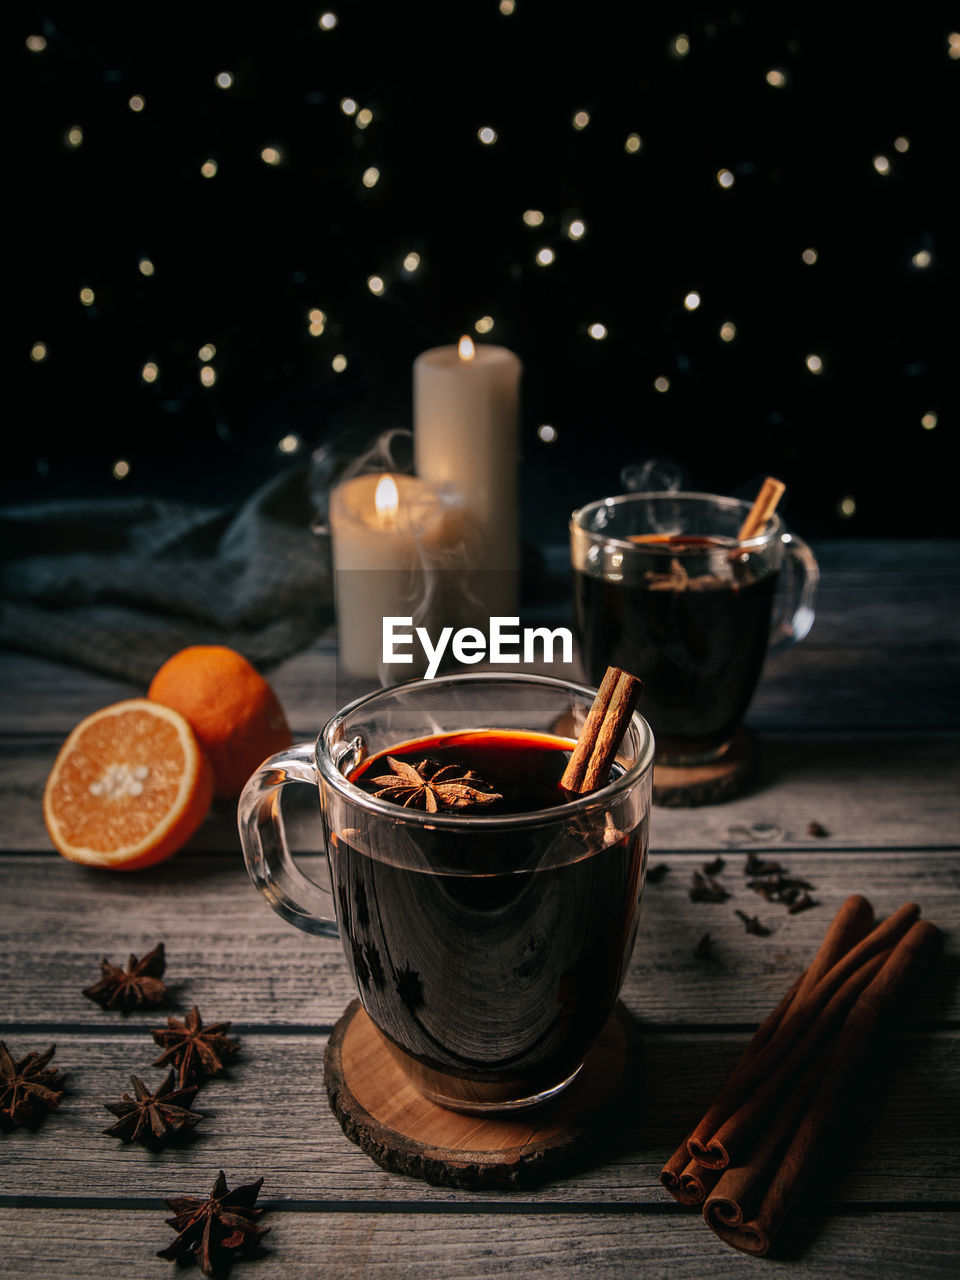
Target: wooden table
{"x":859,"y":729}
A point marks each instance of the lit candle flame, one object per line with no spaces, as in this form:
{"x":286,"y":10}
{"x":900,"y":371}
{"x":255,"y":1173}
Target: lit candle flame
{"x":467,"y":349}
{"x":386,"y":499}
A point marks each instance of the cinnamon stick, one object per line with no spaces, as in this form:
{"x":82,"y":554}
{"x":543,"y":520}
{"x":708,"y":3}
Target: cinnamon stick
{"x":735,"y":1193}
{"x":798,"y":1070}
{"x":696,"y":1183}
{"x":849,"y":926}
{"x":851,"y":923}
{"x":764,"y":505}
{"x":682,"y":1176}
{"x":748,"y":1205}
{"x":855,"y":967}
{"x":589,"y":765}
{"x":733,"y":1137}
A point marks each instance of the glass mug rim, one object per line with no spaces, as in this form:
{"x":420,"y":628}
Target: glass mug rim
{"x":771,"y":532}
{"x":327,"y":766}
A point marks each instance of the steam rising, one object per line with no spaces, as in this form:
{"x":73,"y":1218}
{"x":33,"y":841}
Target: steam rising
{"x":656,"y":475}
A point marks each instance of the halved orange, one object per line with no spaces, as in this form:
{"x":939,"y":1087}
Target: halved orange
{"x":128,"y":788}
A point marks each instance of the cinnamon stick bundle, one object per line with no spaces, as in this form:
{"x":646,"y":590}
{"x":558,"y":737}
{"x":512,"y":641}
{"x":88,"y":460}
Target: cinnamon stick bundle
{"x":746,"y":1160}
{"x":684,"y":1176}
{"x":686,"y":1179}
{"x":814,"y":1013}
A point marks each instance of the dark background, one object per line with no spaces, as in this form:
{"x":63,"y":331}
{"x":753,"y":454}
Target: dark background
{"x":240,"y":259}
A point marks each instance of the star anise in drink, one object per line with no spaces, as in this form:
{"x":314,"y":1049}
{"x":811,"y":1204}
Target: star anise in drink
{"x":212,"y":1229}
{"x":433,"y":787}
{"x":195,"y":1050}
{"x":28,"y":1088}
{"x":153,"y":1118}
{"x":138,"y":984}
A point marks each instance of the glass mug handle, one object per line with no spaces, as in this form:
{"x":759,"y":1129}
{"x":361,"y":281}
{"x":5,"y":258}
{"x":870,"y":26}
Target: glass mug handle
{"x":266,"y":853}
{"x":795,"y":618}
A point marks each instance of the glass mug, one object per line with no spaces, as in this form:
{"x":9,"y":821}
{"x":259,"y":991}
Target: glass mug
{"x":693,"y":619}
{"x":487,"y":949}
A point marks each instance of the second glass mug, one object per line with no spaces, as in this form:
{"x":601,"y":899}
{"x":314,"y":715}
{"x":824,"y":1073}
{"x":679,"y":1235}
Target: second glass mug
{"x":694,"y":620}
{"x":488,"y":950}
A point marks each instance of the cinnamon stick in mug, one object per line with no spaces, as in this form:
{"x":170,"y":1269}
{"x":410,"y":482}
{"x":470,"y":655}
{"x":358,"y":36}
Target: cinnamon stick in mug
{"x":589,"y":765}
{"x":764,"y":505}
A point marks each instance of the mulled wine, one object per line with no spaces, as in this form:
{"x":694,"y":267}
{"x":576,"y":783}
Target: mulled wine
{"x":488,"y":940}
{"x":694,"y":625}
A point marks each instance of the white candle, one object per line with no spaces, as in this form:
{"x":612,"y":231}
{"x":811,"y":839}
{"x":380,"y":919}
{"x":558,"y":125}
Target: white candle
{"x":385,"y":531}
{"x":465,"y":435}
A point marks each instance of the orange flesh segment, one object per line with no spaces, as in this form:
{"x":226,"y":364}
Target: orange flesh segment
{"x":105,"y":755}
{"x":129,"y":785}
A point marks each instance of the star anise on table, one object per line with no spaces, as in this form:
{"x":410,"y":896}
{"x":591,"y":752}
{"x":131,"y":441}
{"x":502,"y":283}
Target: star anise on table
{"x":211,"y":1229}
{"x":28,"y":1088}
{"x":153,"y":1118}
{"x":138,"y":984}
{"x":433,"y":787}
{"x":194,"y":1050}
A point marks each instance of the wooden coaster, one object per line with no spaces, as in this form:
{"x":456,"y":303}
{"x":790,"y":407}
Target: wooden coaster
{"x":403,"y":1132}
{"x":686,"y":786}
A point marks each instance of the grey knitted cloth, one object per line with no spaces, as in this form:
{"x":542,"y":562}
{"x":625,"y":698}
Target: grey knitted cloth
{"x":120,"y":585}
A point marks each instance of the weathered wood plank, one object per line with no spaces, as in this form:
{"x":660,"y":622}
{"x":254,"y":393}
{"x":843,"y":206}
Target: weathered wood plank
{"x":230,"y":954}
{"x":856,"y":686}
{"x":866,"y":792}
{"x":115,"y":1244}
{"x":272,"y":1105}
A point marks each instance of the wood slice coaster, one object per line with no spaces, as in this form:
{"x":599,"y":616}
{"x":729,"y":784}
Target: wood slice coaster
{"x":403,"y":1132}
{"x":686,"y":786}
